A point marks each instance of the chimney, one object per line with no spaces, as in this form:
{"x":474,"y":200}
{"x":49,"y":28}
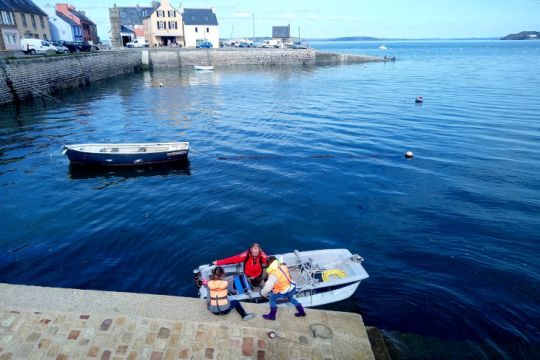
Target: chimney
{"x":213,"y":8}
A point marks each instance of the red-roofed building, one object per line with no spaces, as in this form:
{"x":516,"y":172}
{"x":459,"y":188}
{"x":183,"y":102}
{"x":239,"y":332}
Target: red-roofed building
{"x":78,"y":16}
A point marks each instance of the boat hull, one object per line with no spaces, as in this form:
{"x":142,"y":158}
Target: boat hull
{"x":111,"y":159}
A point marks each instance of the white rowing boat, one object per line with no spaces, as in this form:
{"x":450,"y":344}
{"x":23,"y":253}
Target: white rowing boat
{"x":204,"y":67}
{"x":321,"y":277}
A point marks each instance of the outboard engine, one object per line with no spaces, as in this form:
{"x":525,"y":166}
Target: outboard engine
{"x":197,"y":278}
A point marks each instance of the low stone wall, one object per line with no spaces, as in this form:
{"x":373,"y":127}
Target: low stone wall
{"x":39,"y":76}
{"x":159,"y":58}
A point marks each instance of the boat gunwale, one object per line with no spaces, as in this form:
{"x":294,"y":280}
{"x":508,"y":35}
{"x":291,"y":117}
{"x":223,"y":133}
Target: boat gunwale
{"x":72,"y":147}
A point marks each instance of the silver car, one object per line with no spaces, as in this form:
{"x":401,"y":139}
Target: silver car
{"x":60,"y":49}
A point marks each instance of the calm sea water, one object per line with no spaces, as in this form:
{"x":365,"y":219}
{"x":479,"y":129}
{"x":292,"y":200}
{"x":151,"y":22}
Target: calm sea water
{"x":304,"y":158}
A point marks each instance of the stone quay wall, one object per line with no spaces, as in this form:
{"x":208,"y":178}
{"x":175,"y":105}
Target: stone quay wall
{"x":29,"y":77}
{"x":163,"y":58}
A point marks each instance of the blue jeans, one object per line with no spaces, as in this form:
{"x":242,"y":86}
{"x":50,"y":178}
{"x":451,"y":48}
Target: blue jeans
{"x":272,"y":298}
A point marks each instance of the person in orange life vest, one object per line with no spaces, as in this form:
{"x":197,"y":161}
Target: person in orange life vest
{"x":253,"y":258}
{"x":217,"y":302}
{"x":279,"y":286}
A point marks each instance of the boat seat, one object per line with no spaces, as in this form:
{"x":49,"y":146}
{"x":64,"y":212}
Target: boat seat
{"x":114,"y":150}
{"x":102,"y":150}
{"x":241,"y":283}
{"x":142,"y":149}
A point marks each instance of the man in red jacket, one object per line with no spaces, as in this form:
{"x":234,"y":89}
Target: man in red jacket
{"x":253,"y":258}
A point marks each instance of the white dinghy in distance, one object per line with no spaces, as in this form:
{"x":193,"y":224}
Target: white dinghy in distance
{"x":204,"y":67}
{"x":321,"y":277}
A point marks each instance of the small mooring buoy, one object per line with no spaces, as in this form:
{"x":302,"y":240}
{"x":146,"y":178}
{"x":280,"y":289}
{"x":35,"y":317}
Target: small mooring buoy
{"x":160,"y":84}
{"x":419,"y":100}
{"x":409,"y":155}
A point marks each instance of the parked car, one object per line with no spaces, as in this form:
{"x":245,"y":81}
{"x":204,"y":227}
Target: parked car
{"x":60,"y":49}
{"x":204,"y":45}
{"x":300,"y":45}
{"x":78,"y":46}
{"x":137,"y":43}
{"x":35,"y":46}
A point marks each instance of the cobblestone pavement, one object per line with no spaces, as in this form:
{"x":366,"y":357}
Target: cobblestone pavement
{"x":61,"y":335}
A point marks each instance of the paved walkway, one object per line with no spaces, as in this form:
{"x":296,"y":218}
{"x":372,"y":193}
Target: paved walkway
{"x":51,"y":323}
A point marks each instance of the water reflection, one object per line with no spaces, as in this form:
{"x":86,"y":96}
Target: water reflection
{"x":77,"y":172}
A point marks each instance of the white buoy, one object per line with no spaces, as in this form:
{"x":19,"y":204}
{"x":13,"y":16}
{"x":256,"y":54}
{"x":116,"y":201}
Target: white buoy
{"x":160,"y":84}
{"x":409,"y":155}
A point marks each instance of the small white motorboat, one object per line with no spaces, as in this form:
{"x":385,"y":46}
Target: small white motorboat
{"x":321,"y":277}
{"x":204,"y":67}
{"x":383,"y":47}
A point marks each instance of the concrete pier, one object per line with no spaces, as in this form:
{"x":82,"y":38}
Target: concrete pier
{"x":52,"y":323}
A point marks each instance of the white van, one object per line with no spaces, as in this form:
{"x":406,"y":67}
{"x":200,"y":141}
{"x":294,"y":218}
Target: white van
{"x":274,"y":43}
{"x":137,"y":43}
{"x":34,"y":46}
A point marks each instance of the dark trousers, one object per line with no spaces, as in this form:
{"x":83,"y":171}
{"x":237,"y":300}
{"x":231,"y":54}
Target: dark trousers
{"x":237,"y":306}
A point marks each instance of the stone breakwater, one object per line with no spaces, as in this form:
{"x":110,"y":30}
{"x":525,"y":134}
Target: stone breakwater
{"x":40,"y":323}
{"x":158,"y":58}
{"x":30,"y":77}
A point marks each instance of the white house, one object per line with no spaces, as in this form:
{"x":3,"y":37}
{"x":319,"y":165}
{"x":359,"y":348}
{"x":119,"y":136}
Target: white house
{"x":62,"y":27}
{"x":200,"y":25}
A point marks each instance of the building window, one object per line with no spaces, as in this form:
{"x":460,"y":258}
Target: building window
{"x":207,"y":30}
{"x":173,"y":25}
{"x":160,"y":13}
{"x":45,"y":37}
{"x":161,"y":25}
{"x":196,"y":29}
{"x":12,"y":39}
{"x":23,"y":18}
{"x":172,"y":13}
{"x":33,"y":18}
{"x":7,"y":18}
{"x":41,"y":22}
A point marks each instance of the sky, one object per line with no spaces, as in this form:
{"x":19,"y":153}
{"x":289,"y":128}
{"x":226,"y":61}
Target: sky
{"x":328,"y":19}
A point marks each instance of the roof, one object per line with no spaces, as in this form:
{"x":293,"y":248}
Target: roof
{"x":24,"y":6}
{"x":81,"y":16}
{"x":134,"y":15}
{"x":152,"y":9}
{"x":125,"y":29}
{"x":138,"y":32}
{"x":66,"y":18}
{"x":199,"y":17}
{"x":281,"y":31}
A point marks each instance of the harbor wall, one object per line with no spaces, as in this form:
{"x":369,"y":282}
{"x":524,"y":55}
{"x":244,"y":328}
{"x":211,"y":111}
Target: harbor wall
{"x":26,"y":77}
{"x":162,"y":58}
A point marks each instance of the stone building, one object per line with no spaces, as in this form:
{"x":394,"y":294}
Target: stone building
{"x":89,"y":29}
{"x":21,"y":19}
{"x":281,"y":32}
{"x":163,"y":26}
{"x":200,"y":25}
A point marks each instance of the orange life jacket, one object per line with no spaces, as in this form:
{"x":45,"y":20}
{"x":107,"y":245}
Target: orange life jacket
{"x":284,"y":281}
{"x":218,"y":292}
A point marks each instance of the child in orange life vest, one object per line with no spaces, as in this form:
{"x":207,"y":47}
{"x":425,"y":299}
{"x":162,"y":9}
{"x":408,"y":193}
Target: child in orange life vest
{"x":279,"y":286}
{"x":218,"y":302}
